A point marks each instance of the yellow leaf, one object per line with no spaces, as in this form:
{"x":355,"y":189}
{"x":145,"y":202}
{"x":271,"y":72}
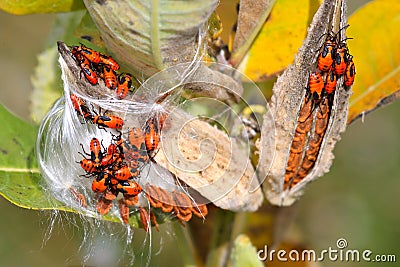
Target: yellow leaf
{"x":24,"y":7}
{"x":279,"y":39}
{"x":376,"y":50}
{"x":252,"y":15}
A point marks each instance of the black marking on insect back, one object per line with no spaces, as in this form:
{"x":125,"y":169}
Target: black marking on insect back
{"x":3,"y":151}
{"x":88,"y":72}
{"x":325,"y":51}
{"x":105,"y":118}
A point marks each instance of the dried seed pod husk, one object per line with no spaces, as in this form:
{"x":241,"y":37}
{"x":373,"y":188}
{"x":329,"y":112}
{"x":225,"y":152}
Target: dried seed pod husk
{"x":289,"y":93}
{"x":210,"y":162}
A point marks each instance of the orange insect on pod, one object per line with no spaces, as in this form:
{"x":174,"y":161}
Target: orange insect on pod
{"x":136,"y":138}
{"x":77,"y":102}
{"x":122,"y":174}
{"x":90,"y":74}
{"x":152,"y":137}
{"x":327,"y":55}
{"x":110,"y":78}
{"x":95,"y":151}
{"x":340,"y":62}
{"x":350,"y":73}
{"x":124,"y":84}
{"x":89,"y":166}
{"x":90,"y":54}
{"x":331,"y":81}
{"x":84,"y":63}
{"x":99,"y":184}
{"x":129,"y":188}
{"x":113,"y":122}
{"x":111,"y":156}
{"x":80,"y":107}
{"x":315,"y":85}
{"x":107,"y":60}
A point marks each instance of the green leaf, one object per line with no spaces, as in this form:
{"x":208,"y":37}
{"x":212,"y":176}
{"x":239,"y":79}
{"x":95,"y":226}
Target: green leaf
{"x":149,"y":36}
{"x":87,"y":30}
{"x":24,"y":7}
{"x":376,"y":51}
{"x":244,"y":253}
{"x":19,"y":174}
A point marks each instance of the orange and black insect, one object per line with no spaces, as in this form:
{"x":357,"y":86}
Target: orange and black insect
{"x":113,"y":122}
{"x":122,"y":174}
{"x":315,"y":85}
{"x":350,"y":73}
{"x":327,"y":54}
{"x":109,"y":61}
{"x":84,"y":63}
{"x":137,"y":145}
{"x":110,"y":78}
{"x":136,"y":138}
{"x":124,"y":84}
{"x":89,"y":166}
{"x":80,"y":107}
{"x":331,"y":81}
{"x":100,"y":184}
{"x":152,"y":136}
{"x":96,"y":156}
{"x":129,"y":188}
{"x":96,"y":153}
{"x":111,"y":156}
{"x":90,"y":54}
{"x":340,"y":62}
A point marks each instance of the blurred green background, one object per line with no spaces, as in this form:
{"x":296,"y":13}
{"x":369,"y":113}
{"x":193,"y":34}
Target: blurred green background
{"x":358,"y":200}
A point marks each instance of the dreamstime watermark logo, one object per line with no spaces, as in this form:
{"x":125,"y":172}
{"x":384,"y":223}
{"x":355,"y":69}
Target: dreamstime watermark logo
{"x":339,"y":253}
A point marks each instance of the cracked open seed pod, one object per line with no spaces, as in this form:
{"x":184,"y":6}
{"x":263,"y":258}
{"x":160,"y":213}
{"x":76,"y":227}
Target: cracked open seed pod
{"x":96,"y":150}
{"x":309,"y":112}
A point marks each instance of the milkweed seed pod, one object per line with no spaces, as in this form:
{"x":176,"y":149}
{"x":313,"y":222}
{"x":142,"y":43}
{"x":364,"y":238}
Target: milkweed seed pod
{"x":305,"y":128}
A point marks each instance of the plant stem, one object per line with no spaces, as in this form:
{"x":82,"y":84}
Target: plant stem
{"x":221,"y":239}
{"x":185,"y":245}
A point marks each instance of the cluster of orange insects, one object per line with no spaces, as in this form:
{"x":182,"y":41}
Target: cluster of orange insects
{"x":334,"y":61}
{"x":116,"y":170}
{"x":95,"y":64}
